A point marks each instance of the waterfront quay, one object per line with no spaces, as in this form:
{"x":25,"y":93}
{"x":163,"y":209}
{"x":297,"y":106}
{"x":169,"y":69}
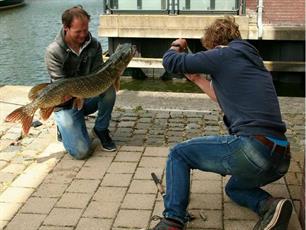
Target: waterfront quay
{"x":42,"y":187}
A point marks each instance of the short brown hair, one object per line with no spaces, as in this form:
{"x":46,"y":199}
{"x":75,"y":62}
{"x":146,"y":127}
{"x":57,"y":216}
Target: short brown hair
{"x":220,"y":32}
{"x":73,"y":12}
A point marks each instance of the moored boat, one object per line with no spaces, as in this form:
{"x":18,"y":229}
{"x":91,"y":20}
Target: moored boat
{"x":5,"y":4}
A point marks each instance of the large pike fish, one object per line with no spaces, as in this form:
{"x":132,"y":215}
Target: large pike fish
{"x":47,"y":96}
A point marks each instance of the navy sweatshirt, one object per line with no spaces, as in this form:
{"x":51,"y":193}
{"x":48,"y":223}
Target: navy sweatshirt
{"x":243,"y":86}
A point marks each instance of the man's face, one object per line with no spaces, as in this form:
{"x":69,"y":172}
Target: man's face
{"x":78,"y":31}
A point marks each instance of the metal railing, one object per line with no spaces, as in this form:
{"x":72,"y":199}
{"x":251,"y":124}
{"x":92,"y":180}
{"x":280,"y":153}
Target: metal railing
{"x":234,"y":7}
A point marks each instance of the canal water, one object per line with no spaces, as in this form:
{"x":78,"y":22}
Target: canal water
{"x":26,"y":31}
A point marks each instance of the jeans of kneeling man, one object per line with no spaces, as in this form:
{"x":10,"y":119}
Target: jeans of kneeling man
{"x":71,"y":123}
{"x":250,"y":164}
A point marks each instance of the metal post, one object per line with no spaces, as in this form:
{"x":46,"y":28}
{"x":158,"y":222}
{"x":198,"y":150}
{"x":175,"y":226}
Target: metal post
{"x":163,"y":4}
{"x":259,"y":18}
{"x":187,"y":5}
{"x":172,"y":7}
{"x":113,"y":4}
{"x":212,"y":4}
{"x":106,"y":7}
{"x":243,"y":6}
{"x":139,"y":4}
{"x":103,"y":6}
{"x":237,"y":5}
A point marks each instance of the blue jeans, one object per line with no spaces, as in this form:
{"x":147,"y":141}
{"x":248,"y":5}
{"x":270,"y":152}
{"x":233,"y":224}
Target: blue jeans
{"x":250,"y":163}
{"x":71,"y":123}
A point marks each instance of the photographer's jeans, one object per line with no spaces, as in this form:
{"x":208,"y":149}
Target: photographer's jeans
{"x":71,"y":123}
{"x":250,"y":163}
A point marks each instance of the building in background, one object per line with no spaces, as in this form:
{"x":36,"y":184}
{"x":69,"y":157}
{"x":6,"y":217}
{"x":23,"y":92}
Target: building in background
{"x":276,"y":28}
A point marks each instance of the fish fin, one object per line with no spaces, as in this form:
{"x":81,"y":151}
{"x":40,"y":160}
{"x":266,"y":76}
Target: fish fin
{"x":35,"y":90}
{"x":67,"y":98}
{"x":45,"y":113}
{"x":23,"y":114}
{"x":78,"y":103}
{"x":117,"y":84}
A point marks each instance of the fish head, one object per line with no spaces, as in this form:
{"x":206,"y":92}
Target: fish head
{"x":119,"y":60}
{"x":126,"y":52}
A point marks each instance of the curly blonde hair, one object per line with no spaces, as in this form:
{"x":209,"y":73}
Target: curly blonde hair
{"x":220,"y":32}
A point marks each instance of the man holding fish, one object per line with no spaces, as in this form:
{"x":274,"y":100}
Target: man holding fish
{"x":81,"y":84}
{"x":76,"y":53}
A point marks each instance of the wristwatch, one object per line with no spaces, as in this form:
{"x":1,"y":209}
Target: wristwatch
{"x":208,"y":77}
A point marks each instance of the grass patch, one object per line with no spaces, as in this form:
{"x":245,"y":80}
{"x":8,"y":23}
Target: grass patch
{"x":179,"y":86}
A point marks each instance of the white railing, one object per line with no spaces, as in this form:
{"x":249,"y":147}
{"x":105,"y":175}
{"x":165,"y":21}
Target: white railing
{"x":173,"y":6}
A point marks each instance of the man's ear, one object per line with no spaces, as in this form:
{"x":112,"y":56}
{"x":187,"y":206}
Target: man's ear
{"x":66,"y":28}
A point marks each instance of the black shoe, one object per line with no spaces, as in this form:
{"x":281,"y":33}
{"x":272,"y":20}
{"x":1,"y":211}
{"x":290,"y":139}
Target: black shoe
{"x":169,"y":224}
{"x":276,"y":213}
{"x":106,"y":140}
{"x":59,"y":135}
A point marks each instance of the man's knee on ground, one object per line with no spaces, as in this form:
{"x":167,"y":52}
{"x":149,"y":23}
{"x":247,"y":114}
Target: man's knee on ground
{"x":81,"y":151}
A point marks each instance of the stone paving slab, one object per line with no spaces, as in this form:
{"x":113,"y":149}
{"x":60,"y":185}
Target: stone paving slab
{"x":41,"y":187}
{"x":130,"y":205}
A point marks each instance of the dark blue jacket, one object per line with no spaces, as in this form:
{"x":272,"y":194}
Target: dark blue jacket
{"x":243,"y":86}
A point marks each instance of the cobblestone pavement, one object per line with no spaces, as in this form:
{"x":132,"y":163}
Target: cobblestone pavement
{"x":41,"y":187}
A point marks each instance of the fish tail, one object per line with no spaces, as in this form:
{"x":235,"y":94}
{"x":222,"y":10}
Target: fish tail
{"x":23,"y":114}
{"x":46,"y":112}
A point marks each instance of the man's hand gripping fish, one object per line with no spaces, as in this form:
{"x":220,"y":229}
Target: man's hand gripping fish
{"x":46,"y":96}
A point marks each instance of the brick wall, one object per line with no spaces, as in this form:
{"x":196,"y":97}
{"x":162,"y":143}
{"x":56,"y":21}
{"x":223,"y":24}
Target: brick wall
{"x":281,"y":12}
{"x":251,"y":4}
